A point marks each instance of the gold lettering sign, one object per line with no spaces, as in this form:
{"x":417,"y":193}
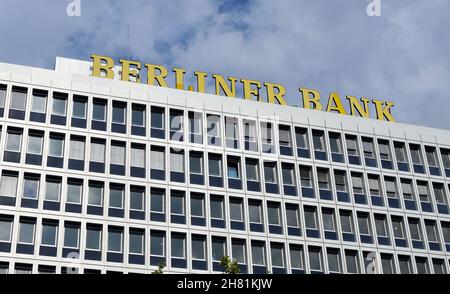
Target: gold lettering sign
{"x":103,"y":66}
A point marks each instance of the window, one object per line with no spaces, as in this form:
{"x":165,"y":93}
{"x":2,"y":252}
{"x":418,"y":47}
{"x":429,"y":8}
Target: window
{"x":138,"y":115}
{"x":439,"y":193}
{"x":368,"y":148}
{"x":305,"y":176}
{"x":56,"y":148}
{"x":79,"y":107}
{"x":233,"y":168}
{"x":117,"y":153}
{"x":391,"y":187}
{"x":266,"y":136}
{"x":381,"y":225}
{"x":213,"y":129}
{"x":59,"y":104}
{"x":439,"y":266}
{"x":218,"y":248}
{"x":270,"y":172}
{"x":416,"y":154}
{"x":217,"y":207}
{"x":157,"y":118}
{"x":178,"y":246}
{"x":292,"y":216}
{"x":357,"y":183}
{"x":231,"y":132}
{"x":115,"y":239}
{"x":284,"y":133}
{"x":236,"y":213}
{"x":424,"y":192}
{"x":374,"y":184}
{"x":195,"y":123}
{"x":404,"y":262}
{"x":31,"y":187}
{"x":93,"y":237}
{"x":49,"y":235}
{"x":177,"y":161}
{"x":157,"y":243}
{"x":399,"y":149}
{"x":383,"y":146}
{"x":341,"y":181}
{"x":249,"y":131}
{"x":297,"y":256}
{"x":99,"y":110}
{"x":238,"y":250}
{"x":176,"y":121}
{"x":287,"y":171}
{"x":97,"y":151}
{"x":215,"y":165}
{"x":157,"y":158}
{"x":364,"y":224}
{"x":34,"y":144}
{"x":39,"y":101}
{"x":137,"y":156}
{"x":137,"y":195}
{"x":177,"y":203}
{"x":414,"y":229}
{"x":352,"y":145}
{"x":196,"y":163}
{"x":407,"y":189}
{"x":301,"y":136}
{"x":335,"y":143}
{"x":53,"y":189}
{"x":273,"y":213}
{"x":197,"y":205}
{"x":329,"y":220}
{"x":95,"y":194}
{"x":323,"y":178}
{"x":76,"y":149}
{"x":71,"y":236}
{"x":74,"y":191}
{"x":3,"y":89}
{"x":387,"y":263}
{"x":157,"y":200}
{"x":310,"y":218}
{"x":198,"y":247}
{"x":5,"y":228}
{"x":422,"y":265}
{"x":8,"y":185}
{"x":116,"y":193}
{"x":258,"y":253}
{"x":26,"y":231}
{"x":136,"y":241}
{"x":18,"y":98}
{"x":446,"y":231}
{"x":119,"y":113}
{"x":334,"y":260}
{"x":13,"y":141}
{"x":446,"y":158}
{"x":255,"y":211}
{"x":277,"y":254}
{"x":318,"y":140}
{"x":346,"y":221}
{"x":351,"y":259}
{"x":398,"y":227}
{"x":432,"y":233}
{"x":315,"y":258}
{"x":252,"y":170}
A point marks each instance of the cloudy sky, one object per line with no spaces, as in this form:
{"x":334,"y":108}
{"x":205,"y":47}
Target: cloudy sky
{"x":402,"y":55}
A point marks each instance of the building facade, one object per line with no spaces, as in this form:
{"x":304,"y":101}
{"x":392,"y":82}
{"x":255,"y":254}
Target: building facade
{"x":100,"y":176}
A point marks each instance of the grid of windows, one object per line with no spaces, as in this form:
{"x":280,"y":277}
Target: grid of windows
{"x":153,"y":181}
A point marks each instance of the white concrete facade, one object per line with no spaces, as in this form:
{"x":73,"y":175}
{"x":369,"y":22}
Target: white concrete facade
{"x":72,"y":77}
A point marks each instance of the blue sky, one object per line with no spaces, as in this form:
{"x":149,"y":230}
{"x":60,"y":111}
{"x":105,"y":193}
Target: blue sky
{"x":402,"y":55}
